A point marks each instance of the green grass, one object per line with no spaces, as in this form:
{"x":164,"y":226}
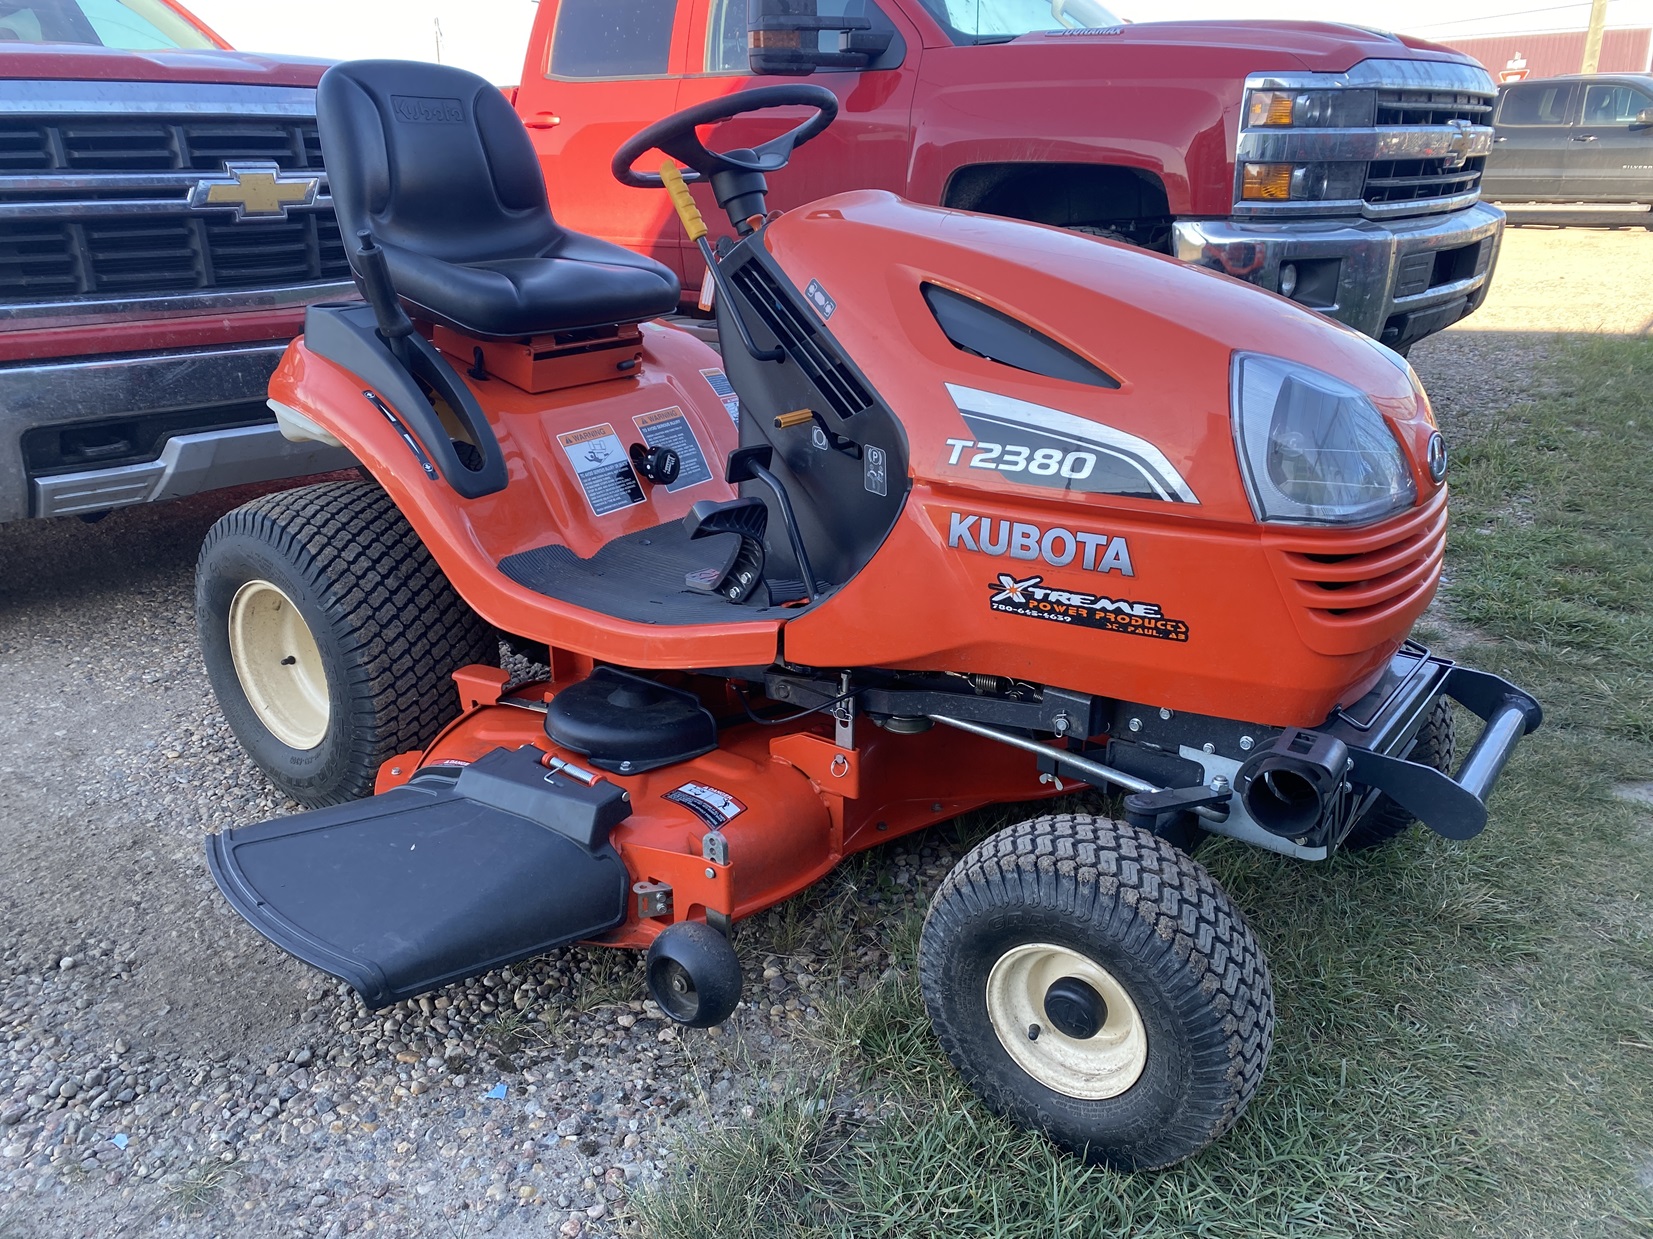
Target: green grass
{"x":1465,"y":1036}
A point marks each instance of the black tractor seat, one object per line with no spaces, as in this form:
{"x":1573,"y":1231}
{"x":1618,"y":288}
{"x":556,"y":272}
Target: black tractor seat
{"x":435,"y":163}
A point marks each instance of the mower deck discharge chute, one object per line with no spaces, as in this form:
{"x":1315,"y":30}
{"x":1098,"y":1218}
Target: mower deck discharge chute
{"x":967,"y":512}
{"x":459,"y":870}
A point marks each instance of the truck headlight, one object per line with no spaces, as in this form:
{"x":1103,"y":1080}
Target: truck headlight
{"x":1310,"y":109}
{"x":1313,"y":449}
{"x":1301,"y":182}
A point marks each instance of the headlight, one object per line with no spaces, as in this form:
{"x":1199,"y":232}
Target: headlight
{"x":1313,"y":449}
{"x":1301,"y":182}
{"x":1318,"y":109}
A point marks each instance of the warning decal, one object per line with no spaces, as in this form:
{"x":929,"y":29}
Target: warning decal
{"x":719,"y":383}
{"x":604,"y":470}
{"x":669,"y":428}
{"x":711,"y":806}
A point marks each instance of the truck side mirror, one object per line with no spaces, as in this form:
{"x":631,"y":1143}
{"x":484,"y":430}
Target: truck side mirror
{"x":786,"y":37}
{"x":1644,"y":119}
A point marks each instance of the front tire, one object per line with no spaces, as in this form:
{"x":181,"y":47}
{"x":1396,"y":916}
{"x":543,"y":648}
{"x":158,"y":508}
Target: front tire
{"x":1091,"y":982}
{"x":329,"y":635}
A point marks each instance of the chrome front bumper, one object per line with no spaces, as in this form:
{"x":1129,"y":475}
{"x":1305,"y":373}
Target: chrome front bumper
{"x":1396,"y":280}
{"x":67,"y":393}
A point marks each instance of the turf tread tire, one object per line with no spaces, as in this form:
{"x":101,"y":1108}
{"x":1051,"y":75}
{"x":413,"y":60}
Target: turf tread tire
{"x":1165,"y":929}
{"x":385,"y":617}
{"x":1387,"y":820}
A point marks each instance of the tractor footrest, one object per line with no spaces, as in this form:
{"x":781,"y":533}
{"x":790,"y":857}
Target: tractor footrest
{"x":459,"y":871}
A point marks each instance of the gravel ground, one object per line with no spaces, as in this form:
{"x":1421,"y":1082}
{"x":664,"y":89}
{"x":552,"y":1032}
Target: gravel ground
{"x":167,"y":1072}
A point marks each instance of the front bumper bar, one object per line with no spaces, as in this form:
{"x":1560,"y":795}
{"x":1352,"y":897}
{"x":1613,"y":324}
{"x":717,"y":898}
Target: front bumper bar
{"x":1395,"y":280}
{"x":1358,"y":754}
{"x":1453,"y":806}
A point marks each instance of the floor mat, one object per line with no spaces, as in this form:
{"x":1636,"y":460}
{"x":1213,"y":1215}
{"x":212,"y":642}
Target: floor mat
{"x":640,"y":577}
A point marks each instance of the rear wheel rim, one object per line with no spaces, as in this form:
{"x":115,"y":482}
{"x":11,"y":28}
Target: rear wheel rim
{"x":279,"y":665}
{"x":1090,"y":1068}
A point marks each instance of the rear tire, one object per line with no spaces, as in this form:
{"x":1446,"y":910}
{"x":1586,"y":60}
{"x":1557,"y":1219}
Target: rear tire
{"x":329,"y":635}
{"x":1091,"y":982}
{"x":1386,"y":820}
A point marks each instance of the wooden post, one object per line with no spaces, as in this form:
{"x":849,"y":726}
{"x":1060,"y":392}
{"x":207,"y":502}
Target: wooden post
{"x":1592,"y":38}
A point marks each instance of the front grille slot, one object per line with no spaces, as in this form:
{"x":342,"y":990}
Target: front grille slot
{"x":1418,"y":180}
{"x":803,"y":344}
{"x":24,"y":148}
{"x":109,"y":146}
{"x":211,"y":146}
{"x":1432,"y":107}
{"x":1350,"y":587}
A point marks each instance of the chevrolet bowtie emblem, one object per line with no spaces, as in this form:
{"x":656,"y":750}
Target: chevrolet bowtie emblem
{"x":255,"y":190}
{"x":1457,"y":151}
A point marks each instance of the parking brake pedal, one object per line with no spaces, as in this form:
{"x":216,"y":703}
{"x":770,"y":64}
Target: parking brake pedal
{"x":747,"y":518}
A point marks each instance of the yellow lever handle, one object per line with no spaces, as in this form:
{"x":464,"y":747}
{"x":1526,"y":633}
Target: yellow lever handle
{"x":687,"y":211}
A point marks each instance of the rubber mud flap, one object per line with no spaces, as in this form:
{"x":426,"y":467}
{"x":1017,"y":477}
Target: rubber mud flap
{"x":457,"y":872}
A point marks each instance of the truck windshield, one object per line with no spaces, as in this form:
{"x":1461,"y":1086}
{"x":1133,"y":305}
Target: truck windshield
{"x":972,"y":21}
{"x":135,"y":25}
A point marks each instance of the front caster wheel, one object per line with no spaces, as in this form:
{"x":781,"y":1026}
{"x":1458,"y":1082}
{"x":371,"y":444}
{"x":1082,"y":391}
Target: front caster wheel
{"x":694,"y":974}
{"x":1091,"y":982}
{"x":329,"y":635}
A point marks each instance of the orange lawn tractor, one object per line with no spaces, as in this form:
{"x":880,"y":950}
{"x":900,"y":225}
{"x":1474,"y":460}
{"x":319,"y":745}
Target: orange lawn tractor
{"x":968,"y":511}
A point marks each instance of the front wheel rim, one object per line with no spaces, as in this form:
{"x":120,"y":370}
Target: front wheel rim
{"x":279,"y":665}
{"x":1089,"y":1068}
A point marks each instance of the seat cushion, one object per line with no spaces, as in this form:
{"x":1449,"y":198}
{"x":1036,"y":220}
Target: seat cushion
{"x":578,"y":281}
{"x":434,"y":162}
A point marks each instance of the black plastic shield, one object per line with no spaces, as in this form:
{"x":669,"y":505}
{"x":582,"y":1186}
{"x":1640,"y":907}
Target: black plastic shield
{"x":445,"y":878}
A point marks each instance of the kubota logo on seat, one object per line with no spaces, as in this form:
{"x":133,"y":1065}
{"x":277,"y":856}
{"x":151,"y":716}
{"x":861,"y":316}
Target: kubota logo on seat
{"x":1058,"y":547}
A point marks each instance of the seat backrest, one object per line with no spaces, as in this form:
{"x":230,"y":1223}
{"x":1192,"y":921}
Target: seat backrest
{"x":432,"y":159}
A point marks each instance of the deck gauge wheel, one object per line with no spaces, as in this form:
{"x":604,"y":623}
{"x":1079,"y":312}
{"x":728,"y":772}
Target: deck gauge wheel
{"x":694,"y":974}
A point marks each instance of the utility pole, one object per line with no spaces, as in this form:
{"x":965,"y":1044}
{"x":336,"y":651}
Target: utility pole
{"x":1592,"y":39}
{"x":438,"y":23}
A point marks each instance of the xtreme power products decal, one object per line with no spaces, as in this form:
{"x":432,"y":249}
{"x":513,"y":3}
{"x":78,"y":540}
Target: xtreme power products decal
{"x":1034,"y":599}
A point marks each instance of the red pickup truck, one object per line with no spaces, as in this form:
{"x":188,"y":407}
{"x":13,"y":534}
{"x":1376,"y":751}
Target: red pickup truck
{"x":1336,"y":165}
{"x":164,"y":220}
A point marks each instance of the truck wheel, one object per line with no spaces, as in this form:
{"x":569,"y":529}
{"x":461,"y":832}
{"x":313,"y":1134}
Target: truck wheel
{"x":1091,"y":982}
{"x":1386,"y":820}
{"x":329,"y":635}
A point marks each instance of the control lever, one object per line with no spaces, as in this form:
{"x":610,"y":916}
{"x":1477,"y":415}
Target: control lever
{"x":695,"y":226}
{"x":373,"y":274}
{"x":748,"y":464}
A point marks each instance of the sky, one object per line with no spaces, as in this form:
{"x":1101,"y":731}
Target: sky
{"x":490,"y":36}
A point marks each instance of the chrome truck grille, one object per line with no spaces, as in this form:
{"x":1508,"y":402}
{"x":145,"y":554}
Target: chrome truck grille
{"x":1386,"y":139}
{"x":123,"y":201}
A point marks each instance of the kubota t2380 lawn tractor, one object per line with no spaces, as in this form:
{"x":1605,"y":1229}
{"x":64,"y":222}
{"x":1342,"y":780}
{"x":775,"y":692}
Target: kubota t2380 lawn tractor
{"x":982,"y":512}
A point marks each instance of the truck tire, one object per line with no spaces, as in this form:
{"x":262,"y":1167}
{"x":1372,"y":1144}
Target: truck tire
{"x":329,"y":635}
{"x":1091,"y":982}
{"x":1386,"y":821}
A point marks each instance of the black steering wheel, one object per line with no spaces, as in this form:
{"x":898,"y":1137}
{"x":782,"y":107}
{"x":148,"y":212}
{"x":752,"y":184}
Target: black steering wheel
{"x":675,"y":135}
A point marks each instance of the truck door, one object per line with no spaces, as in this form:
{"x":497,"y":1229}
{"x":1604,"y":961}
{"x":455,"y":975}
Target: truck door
{"x":867,"y":147}
{"x":612,"y":68}
{"x":1532,"y":146}
{"x":1612,"y":159}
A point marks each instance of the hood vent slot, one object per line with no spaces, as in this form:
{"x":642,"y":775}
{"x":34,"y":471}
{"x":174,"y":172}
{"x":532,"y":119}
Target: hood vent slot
{"x":996,"y":336}
{"x":805,"y":345}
